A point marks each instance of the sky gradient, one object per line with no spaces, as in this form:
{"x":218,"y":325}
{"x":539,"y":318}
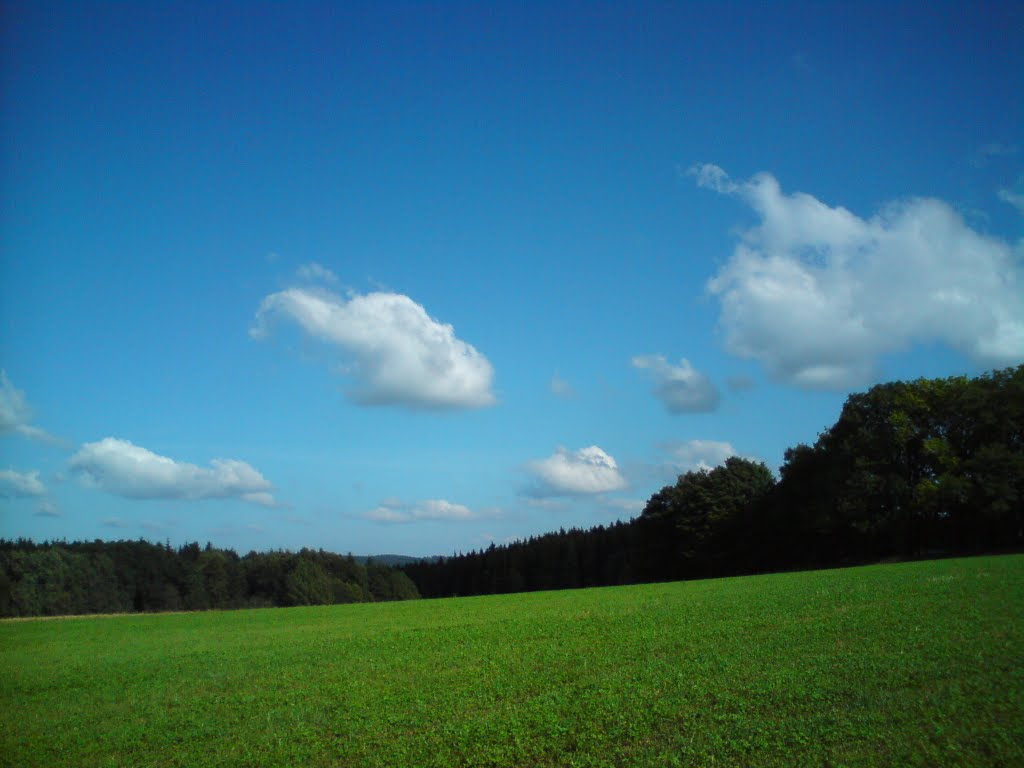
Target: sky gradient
{"x":413,"y":278}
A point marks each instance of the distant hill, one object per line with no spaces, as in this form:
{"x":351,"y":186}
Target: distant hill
{"x":394,"y":560}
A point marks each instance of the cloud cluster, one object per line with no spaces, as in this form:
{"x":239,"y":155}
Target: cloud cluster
{"x":586,"y":471}
{"x":123,"y":469}
{"x":393,"y":511}
{"x":681,"y":388}
{"x":817,"y":294}
{"x":16,"y":413}
{"x":20,"y":484}
{"x":398,"y":354}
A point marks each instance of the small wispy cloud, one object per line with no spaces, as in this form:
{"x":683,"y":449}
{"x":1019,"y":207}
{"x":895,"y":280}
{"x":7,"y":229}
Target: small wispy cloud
{"x":698,"y":454}
{"x":16,"y":414}
{"x":986,"y":153}
{"x":431,"y":509}
{"x":740,"y":383}
{"x":20,"y":484}
{"x":1013,"y":197}
{"x":47,"y":508}
{"x":314,"y":272}
{"x":681,"y":388}
{"x":629,"y":506}
{"x":547,"y":504}
{"x":561,"y":388}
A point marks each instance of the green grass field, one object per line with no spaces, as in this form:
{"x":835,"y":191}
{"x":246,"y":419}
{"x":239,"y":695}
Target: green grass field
{"x":906,"y":664}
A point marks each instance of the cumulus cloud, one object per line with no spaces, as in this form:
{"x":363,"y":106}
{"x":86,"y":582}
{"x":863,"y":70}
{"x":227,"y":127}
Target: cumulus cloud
{"x":314,"y":272}
{"x":16,"y":413}
{"x":393,"y":511}
{"x":588,"y":470}
{"x":397,"y":354}
{"x":816,"y":294}
{"x":124,"y":469}
{"x":681,"y":388}
{"x":20,"y":484}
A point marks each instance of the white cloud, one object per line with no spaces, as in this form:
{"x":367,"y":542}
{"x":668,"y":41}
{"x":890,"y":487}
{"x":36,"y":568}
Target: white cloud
{"x":682,"y":388}
{"x":20,"y":484}
{"x":399,"y":355}
{"x":123,"y":469}
{"x":115,"y":522}
{"x":588,"y":470}
{"x":393,"y":511}
{"x":817,"y":294}
{"x":317,"y":273}
{"x":699,"y":454}
{"x":16,"y":413}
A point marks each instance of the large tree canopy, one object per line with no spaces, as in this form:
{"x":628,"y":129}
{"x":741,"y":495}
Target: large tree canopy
{"x":933,"y":464}
{"x":706,"y":512}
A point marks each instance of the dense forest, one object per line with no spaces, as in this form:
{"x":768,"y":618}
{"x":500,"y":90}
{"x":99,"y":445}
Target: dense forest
{"x":111,"y":577}
{"x":911,"y":469}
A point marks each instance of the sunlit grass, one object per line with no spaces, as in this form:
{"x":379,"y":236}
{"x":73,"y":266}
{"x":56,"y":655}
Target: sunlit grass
{"x":907,"y":664}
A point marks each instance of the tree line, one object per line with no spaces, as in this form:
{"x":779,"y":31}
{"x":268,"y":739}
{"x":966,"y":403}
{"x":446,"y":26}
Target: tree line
{"x":60,"y":578}
{"x":930,"y":467}
{"x":923,"y":468}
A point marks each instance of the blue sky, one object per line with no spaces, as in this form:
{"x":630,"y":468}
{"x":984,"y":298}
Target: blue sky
{"x":417,"y":277}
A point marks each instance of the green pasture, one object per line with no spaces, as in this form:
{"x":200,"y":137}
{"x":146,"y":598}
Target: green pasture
{"x":917,"y":664}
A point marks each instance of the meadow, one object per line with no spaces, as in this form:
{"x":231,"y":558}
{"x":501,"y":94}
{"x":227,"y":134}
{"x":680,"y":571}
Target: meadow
{"x":918,"y":664}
